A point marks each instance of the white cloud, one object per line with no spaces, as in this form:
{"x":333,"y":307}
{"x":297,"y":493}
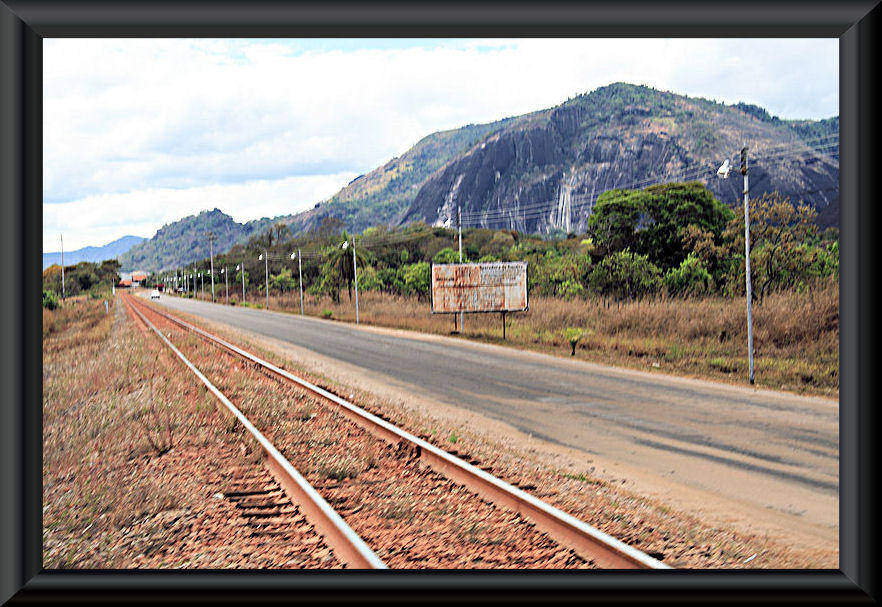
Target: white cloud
{"x":134,"y":116}
{"x":102,"y":218}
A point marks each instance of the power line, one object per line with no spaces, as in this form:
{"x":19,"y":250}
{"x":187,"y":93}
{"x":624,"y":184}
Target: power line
{"x":692,"y":171}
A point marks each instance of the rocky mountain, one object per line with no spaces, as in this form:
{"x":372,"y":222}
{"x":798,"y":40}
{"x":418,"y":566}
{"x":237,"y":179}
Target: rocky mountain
{"x":541,"y":172}
{"x":382,"y":196}
{"x":111,"y":250}
{"x":186,"y":240}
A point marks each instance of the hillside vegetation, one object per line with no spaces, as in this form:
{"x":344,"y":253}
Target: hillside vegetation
{"x":187,"y":239}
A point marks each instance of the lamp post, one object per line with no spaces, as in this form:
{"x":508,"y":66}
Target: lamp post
{"x":241,"y":268}
{"x":355,"y":276}
{"x":211,"y":256}
{"x":299,"y":276}
{"x":265,"y":259}
{"x":723,"y":172}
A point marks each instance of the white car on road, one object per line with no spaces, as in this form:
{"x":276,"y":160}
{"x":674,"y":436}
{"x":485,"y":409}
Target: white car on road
{"x":154,"y":294}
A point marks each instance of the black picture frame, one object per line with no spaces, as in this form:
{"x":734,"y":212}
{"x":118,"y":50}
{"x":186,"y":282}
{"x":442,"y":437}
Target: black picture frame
{"x":23,"y":24}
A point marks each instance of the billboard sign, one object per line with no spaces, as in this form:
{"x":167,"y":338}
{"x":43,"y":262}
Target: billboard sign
{"x":479,"y":287}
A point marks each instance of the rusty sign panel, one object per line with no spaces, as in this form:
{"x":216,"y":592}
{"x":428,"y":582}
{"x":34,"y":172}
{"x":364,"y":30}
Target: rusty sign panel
{"x":479,"y":287}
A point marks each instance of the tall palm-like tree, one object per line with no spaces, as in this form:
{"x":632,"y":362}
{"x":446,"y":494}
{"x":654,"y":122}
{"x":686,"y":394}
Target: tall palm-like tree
{"x":339,"y":261}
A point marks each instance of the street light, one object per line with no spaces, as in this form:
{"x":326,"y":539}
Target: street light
{"x":299,"y":276}
{"x":354,"y":275}
{"x":723,"y":172}
{"x":265,"y":259}
{"x":242,"y":268}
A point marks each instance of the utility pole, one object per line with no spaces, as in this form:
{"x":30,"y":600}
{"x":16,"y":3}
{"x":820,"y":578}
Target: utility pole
{"x":243,"y":280}
{"x":241,"y":268}
{"x":211,"y":256}
{"x":747,"y":264}
{"x":265,"y":258}
{"x":202,"y":280}
{"x":62,"y":267}
{"x":459,"y":226}
{"x":355,"y":278}
{"x":227,"y":281}
{"x":300,"y":277}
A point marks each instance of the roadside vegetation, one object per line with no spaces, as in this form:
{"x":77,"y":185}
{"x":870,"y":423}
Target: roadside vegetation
{"x":657,"y":280}
{"x":85,"y":278}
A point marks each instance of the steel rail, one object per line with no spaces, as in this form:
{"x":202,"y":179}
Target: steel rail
{"x":588,"y":541}
{"x":342,"y":539}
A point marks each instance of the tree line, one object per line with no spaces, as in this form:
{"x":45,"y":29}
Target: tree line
{"x":673,"y":240}
{"x":84,"y":277}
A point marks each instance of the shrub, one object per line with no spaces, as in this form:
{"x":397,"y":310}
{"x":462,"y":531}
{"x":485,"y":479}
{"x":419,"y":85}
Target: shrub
{"x":690,"y":278}
{"x":369,"y":279}
{"x":327,"y":314}
{"x":573,"y":336}
{"x":50,"y":300}
{"x":390,"y":280}
{"x":559,"y":275}
{"x":416,"y":278}
{"x":447,"y":255}
{"x":570,"y":290}
{"x":625,"y":275}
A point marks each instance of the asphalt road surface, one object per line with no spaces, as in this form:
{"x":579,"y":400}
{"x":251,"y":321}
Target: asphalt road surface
{"x":761,"y":450}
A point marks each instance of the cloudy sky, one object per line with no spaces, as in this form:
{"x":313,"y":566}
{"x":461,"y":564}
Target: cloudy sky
{"x":139,"y":133}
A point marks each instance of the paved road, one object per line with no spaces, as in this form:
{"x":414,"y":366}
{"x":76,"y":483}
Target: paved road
{"x":773,"y":450}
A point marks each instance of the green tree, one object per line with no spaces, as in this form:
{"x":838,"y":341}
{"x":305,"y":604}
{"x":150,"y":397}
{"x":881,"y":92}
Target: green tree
{"x":368,"y":279}
{"x":338,"y":268}
{"x":612,"y":225}
{"x":651,"y":221}
{"x":283,"y":281}
{"x":784,"y":244}
{"x":669,"y":207}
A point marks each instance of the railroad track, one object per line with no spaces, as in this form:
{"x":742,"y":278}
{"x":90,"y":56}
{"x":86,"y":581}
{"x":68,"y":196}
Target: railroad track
{"x":518,"y":528}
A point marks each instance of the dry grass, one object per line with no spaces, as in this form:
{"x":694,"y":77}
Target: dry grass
{"x":796,"y":335}
{"x":110,"y":406}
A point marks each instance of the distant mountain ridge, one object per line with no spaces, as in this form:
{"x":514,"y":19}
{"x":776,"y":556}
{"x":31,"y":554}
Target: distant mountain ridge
{"x":186,"y":240}
{"x":112,"y":250}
